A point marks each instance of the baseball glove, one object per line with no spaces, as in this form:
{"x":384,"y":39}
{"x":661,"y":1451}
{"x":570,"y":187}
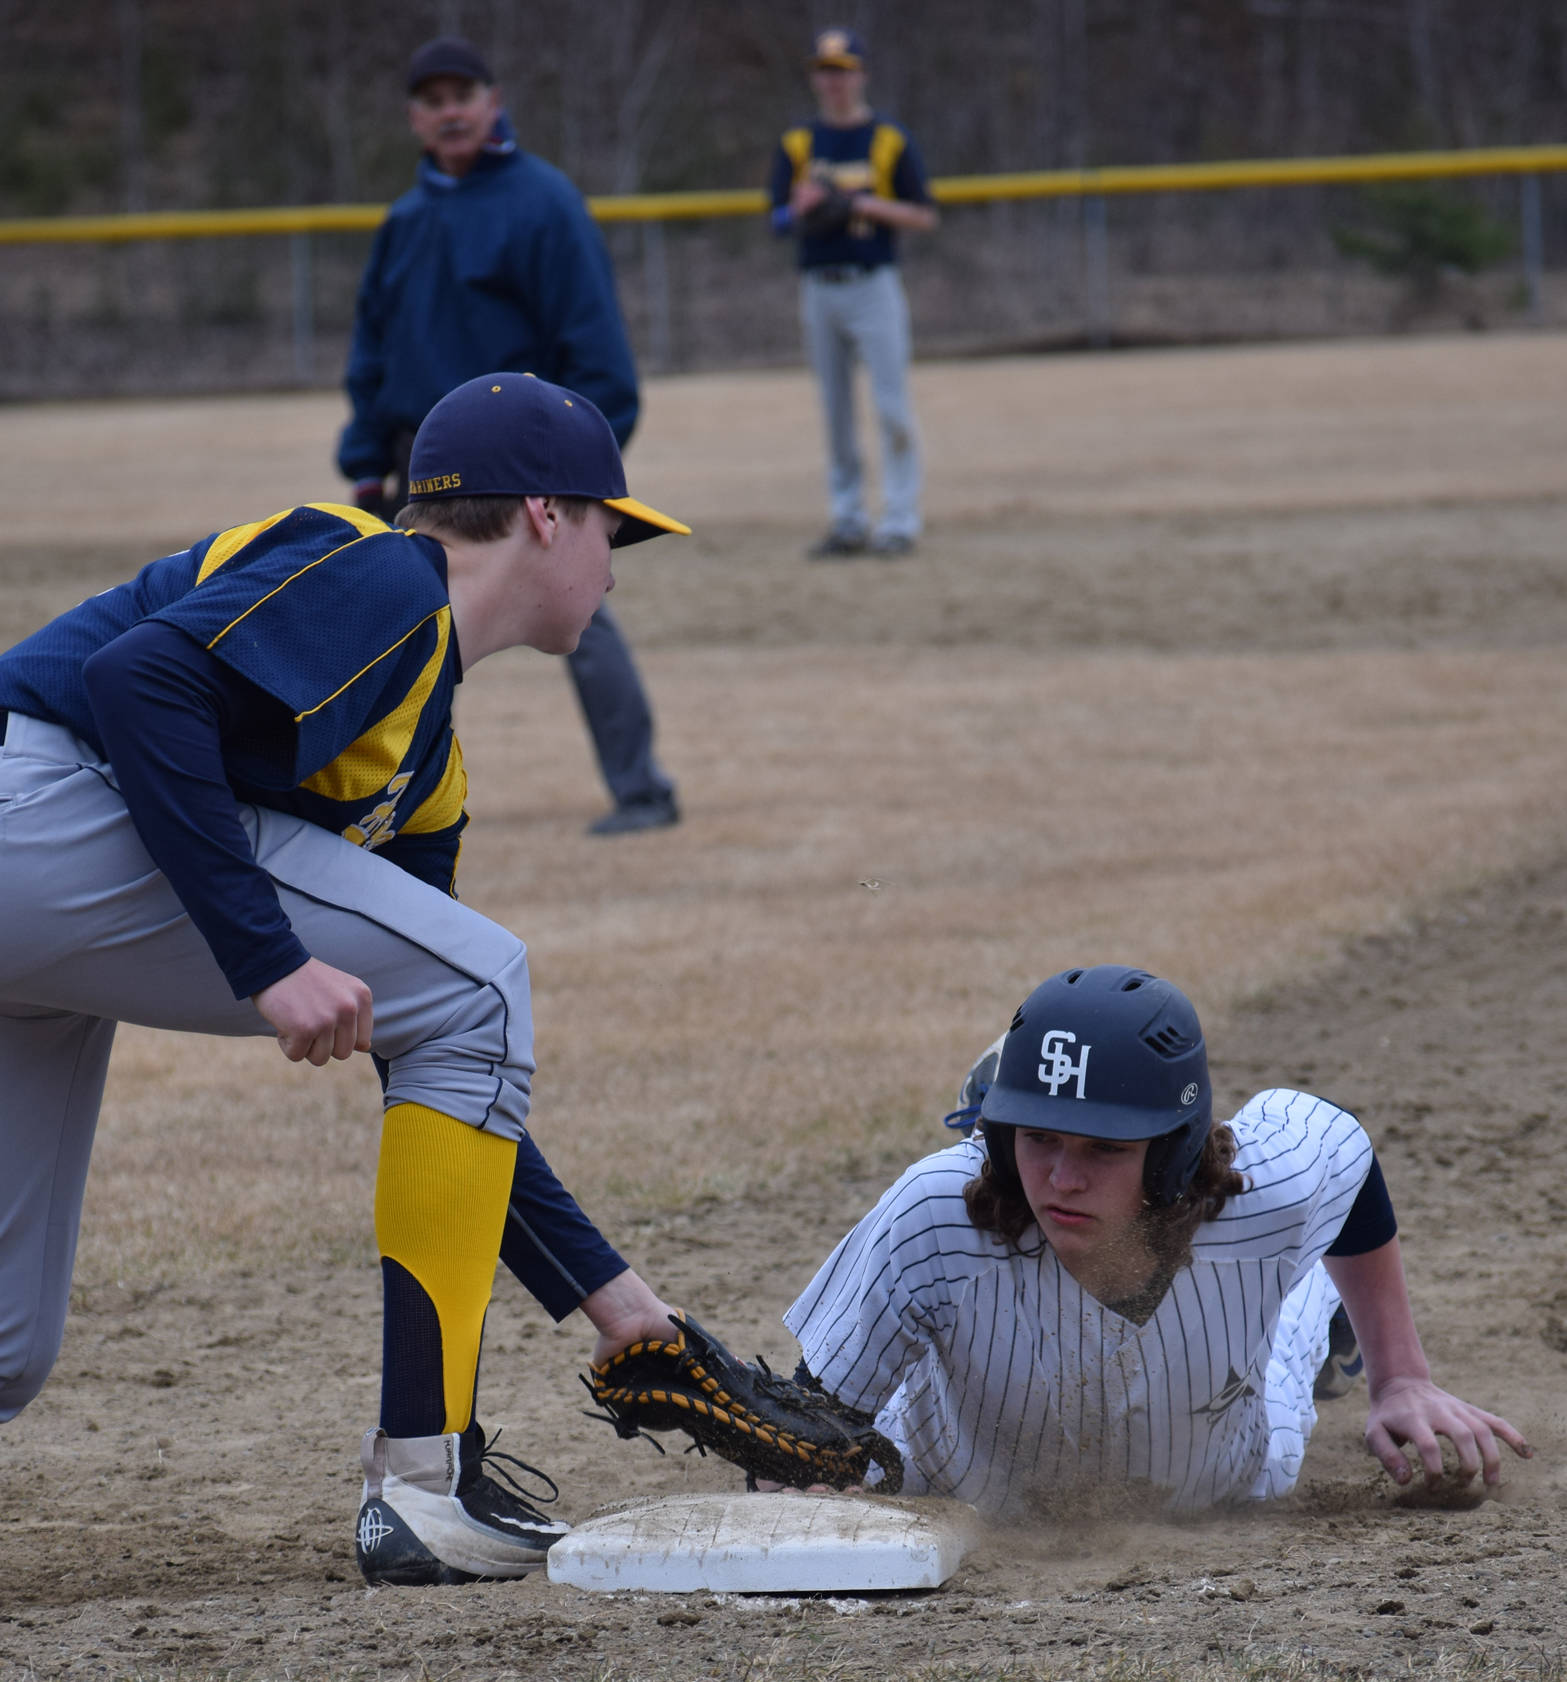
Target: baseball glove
{"x":829,"y":217}
{"x":771,"y":1427}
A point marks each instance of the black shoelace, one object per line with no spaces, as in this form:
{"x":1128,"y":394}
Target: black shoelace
{"x":491,"y":1463}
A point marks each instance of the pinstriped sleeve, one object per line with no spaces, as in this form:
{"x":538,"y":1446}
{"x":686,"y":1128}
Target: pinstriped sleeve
{"x":886,"y":1293}
{"x":1305,"y":1160}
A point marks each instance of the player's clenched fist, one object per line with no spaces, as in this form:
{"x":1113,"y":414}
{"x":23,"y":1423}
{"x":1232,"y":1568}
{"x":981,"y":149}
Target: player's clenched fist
{"x":318,"y":1013}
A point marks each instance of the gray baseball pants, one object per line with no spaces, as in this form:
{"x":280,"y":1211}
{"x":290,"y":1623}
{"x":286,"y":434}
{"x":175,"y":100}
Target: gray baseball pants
{"x":864,"y":318}
{"x":94,"y":935}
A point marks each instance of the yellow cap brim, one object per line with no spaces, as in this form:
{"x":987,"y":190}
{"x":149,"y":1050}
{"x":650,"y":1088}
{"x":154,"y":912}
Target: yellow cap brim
{"x":638,"y":522}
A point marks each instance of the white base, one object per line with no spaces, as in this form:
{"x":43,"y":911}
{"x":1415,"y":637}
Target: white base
{"x":766,"y":1544}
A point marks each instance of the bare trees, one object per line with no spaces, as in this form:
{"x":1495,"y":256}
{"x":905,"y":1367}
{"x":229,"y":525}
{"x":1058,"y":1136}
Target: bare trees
{"x":632,"y":94}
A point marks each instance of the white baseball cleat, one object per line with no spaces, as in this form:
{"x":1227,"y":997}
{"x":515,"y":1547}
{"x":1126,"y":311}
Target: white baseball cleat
{"x":432,"y":1513}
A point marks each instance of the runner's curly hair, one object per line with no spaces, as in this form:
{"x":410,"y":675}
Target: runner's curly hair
{"x":996,"y":1203}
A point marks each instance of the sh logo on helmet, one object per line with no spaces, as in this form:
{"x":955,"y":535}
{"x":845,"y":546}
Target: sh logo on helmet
{"x":1057,"y":1068}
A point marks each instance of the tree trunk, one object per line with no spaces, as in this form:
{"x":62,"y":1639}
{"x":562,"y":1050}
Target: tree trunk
{"x":133,"y":156}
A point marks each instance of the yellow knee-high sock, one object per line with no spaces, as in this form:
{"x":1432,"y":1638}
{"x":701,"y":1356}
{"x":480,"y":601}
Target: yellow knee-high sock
{"x":440,"y":1208}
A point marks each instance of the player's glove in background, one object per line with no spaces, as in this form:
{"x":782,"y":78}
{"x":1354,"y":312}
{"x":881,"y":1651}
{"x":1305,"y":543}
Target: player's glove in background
{"x":828,"y":218}
{"x":370,"y":495}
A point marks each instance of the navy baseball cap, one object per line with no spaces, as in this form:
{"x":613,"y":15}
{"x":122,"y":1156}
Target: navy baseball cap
{"x":514,"y":435}
{"x":447,"y":55}
{"x":837,"y":49}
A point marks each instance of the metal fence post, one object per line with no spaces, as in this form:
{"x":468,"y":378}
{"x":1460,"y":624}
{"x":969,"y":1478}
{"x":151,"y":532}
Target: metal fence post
{"x":1533,"y":245}
{"x":655,"y":280}
{"x":1096,"y":270}
{"x":304,"y":308}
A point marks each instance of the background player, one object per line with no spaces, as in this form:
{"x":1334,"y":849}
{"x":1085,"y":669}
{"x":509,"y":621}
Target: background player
{"x":491,"y":260}
{"x":1108,"y":1287}
{"x":846,"y":185}
{"x":231,"y":801}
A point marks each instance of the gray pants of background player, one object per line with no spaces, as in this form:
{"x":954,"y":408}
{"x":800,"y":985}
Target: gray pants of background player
{"x":865,"y":317}
{"x":93,"y":935}
{"x":615,"y":707}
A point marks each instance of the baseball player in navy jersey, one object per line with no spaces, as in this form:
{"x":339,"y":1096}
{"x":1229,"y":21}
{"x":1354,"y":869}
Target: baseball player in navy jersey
{"x":844,"y":187}
{"x":1104,"y":1286}
{"x":231,"y":801}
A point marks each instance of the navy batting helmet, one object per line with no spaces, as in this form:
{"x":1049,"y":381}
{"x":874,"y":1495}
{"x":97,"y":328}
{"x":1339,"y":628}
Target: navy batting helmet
{"x":1113,"y":1053}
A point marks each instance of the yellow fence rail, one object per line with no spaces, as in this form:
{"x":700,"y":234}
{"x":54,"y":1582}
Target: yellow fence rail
{"x":954,"y":190}
{"x":653,"y":211}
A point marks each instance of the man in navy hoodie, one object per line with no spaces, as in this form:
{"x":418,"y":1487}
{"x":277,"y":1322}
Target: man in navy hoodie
{"x":491,"y":261}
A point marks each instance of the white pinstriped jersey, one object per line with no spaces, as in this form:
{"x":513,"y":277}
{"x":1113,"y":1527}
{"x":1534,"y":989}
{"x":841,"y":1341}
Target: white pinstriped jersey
{"x":1000,"y":1377}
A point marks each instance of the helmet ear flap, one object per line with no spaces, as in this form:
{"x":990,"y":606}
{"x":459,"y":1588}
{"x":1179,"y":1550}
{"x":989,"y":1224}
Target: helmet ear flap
{"x":1172,"y":1161}
{"x":1161,"y":1184}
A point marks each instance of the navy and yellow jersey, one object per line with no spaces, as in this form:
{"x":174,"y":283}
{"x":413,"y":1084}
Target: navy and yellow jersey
{"x":342,"y":621}
{"x":874,"y":156}
{"x":313,"y":653}
{"x":348,"y":625}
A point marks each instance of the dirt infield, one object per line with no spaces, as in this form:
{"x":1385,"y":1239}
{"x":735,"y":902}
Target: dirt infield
{"x":1245,"y":665}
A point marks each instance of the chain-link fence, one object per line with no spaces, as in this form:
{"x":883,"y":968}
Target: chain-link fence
{"x":1060,"y":271}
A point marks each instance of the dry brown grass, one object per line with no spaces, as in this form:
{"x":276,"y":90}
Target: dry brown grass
{"x":733,"y":1001}
{"x":1209,"y":661}
{"x":1357,"y":424}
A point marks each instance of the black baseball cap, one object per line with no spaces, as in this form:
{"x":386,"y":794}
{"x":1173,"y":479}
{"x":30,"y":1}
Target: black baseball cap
{"x":514,"y":435}
{"x":447,"y":55}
